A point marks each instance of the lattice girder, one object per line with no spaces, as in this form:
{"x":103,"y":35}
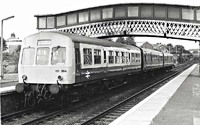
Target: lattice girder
{"x":137,"y":27}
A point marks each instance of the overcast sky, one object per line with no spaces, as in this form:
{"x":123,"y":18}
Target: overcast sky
{"x":24,"y":22}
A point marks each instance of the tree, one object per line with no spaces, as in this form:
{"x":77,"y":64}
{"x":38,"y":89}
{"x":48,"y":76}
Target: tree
{"x":16,"y":54}
{"x":130,"y":41}
{"x":120,"y":40}
{"x":170,"y":47}
{"x":109,"y":39}
{"x":4,"y":44}
{"x":179,"y":49}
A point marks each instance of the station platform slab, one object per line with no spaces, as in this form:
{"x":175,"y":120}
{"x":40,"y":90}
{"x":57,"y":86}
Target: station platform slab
{"x":7,"y":89}
{"x":176,"y":103}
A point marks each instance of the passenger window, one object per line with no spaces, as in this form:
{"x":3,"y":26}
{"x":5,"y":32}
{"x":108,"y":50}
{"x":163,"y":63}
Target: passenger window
{"x":123,"y":57}
{"x":58,"y":55}
{"x":27,"y":56}
{"x":111,"y":57}
{"x":42,"y":56}
{"x":104,"y":53}
{"x":77,"y":56}
{"x":132,"y":57}
{"x":87,"y":53}
{"x":97,"y":56}
{"x":127,"y":57}
{"x":117,"y":58}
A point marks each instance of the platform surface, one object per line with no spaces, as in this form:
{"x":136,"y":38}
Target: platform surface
{"x":184,"y":106}
{"x":176,"y":103}
{"x":8,"y":83}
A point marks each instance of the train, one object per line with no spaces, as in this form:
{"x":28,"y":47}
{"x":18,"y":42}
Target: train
{"x":56,"y":64}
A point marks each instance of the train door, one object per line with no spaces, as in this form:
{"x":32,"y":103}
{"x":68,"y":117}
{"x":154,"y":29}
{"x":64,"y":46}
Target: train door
{"x":105,"y":62}
{"x":78,"y":63}
{"x":162,"y":58}
{"x":145,"y":60}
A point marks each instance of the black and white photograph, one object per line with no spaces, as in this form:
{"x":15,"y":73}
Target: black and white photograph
{"x":95,"y":62}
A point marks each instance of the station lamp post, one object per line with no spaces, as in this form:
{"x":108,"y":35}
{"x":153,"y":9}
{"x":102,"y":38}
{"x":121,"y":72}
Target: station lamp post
{"x":1,"y":51}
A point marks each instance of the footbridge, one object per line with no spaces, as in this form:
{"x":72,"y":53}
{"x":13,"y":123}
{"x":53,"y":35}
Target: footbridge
{"x":159,"y":20}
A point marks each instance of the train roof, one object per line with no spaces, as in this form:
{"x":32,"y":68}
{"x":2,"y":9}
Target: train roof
{"x":156,"y":52}
{"x":152,"y":51}
{"x":168,"y":54}
{"x":89,"y":40}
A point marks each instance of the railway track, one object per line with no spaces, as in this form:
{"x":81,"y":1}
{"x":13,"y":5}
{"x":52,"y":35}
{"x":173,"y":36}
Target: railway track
{"x":117,"y":110}
{"x":104,"y":117}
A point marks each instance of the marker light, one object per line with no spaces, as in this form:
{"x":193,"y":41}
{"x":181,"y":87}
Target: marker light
{"x":20,"y":87}
{"x":24,"y":77}
{"x":60,"y":78}
{"x":54,"y":89}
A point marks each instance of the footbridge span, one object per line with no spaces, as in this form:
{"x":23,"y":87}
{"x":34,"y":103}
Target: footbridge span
{"x":159,"y":20}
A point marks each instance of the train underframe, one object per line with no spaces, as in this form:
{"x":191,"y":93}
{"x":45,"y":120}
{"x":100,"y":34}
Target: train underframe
{"x":35,"y":94}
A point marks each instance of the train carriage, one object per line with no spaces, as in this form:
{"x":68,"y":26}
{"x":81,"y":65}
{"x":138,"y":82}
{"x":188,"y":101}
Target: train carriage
{"x":55,"y":62}
{"x":152,"y":59}
{"x":56,"y":54}
{"x":46,"y":56}
{"x":168,"y":61}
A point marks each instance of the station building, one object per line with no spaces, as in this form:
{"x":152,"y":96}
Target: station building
{"x":12,"y":43}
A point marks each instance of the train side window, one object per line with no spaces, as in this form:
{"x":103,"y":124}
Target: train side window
{"x":132,"y":58}
{"x":77,"y":56}
{"x":27,"y":56}
{"x":104,"y":53}
{"x":58,"y":55}
{"x":145,"y":57}
{"x":165,"y":58}
{"x":87,"y":55}
{"x":127,"y":57}
{"x":137,"y":55}
{"x":97,"y":56}
{"x":153,"y":58}
{"x":117,"y":58}
{"x":123,"y":57}
{"x":161,"y":58}
{"x":111,"y":57}
{"x":42,"y":56}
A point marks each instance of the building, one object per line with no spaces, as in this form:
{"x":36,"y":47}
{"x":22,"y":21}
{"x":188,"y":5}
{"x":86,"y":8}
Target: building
{"x":160,"y":47}
{"x":147,"y":45}
{"x":194,"y":50}
{"x":195,"y":53}
{"x":12,"y":43}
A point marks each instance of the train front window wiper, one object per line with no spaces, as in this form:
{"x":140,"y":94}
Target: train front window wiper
{"x":57,"y":48}
{"x":58,"y":55}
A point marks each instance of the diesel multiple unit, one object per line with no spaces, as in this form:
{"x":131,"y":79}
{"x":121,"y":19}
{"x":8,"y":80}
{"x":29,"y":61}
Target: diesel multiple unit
{"x":56,"y":62}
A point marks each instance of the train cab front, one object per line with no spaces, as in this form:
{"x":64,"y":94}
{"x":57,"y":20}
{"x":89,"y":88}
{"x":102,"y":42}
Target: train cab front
{"x":44,"y":67}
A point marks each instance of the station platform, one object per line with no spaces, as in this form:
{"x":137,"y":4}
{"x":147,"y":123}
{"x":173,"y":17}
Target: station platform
{"x":7,"y":89}
{"x":8,"y":83}
{"x":176,"y":103}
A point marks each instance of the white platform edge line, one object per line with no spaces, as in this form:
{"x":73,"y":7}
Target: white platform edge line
{"x":122,"y":117}
{"x":7,"y":89}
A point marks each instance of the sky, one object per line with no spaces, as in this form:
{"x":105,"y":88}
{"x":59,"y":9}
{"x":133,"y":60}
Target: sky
{"x":24,"y":22}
